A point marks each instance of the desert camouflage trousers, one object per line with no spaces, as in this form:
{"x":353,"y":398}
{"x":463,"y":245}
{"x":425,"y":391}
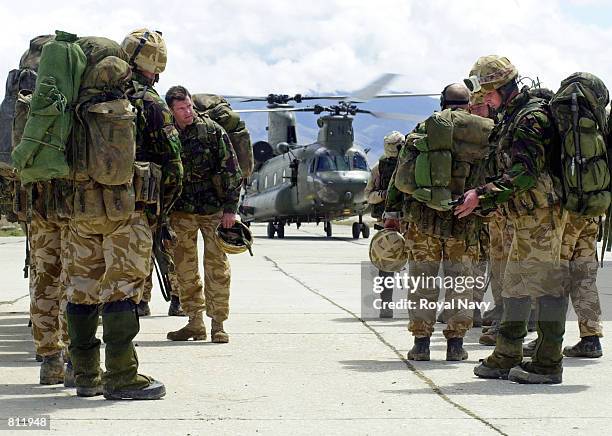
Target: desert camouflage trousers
{"x":427,"y":254}
{"x":500,"y":241}
{"x":108,"y":260}
{"x":579,"y":260}
{"x":214,"y":295}
{"x":533,"y":268}
{"x":47,"y":285}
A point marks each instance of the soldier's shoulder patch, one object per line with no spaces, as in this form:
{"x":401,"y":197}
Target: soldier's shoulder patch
{"x":171,"y":132}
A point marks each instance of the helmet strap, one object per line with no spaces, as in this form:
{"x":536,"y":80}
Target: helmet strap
{"x":141,"y":44}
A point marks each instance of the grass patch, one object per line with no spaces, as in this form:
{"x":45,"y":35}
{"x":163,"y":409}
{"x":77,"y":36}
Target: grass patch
{"x":11,"y":232}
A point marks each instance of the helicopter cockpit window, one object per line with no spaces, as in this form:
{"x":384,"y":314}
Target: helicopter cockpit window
{"x":331,"y":162}
{"x":359,"y":162}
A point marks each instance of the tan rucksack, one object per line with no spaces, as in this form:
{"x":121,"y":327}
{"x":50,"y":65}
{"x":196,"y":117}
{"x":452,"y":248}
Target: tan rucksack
{"x":219,"y":110}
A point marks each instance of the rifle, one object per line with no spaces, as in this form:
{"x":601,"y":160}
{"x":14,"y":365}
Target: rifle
{"x":162,"y":260}
{"x":26,"y":266}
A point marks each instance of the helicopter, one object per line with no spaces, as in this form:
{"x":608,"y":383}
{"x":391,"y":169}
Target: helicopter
{"x":317,"y":182}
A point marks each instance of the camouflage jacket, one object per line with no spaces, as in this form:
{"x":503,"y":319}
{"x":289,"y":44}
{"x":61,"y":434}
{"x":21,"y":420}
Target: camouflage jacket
{"x":441,"y":224}
{"x":157,"y":139}
{"x":395,"y":197}
{"x":522,"y":139}
{"x":212,"y":178}
{"x":376,"y":190}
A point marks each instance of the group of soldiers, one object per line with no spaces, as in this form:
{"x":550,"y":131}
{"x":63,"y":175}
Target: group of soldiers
{"x":538,"y":254}
{"x":96,"y":265}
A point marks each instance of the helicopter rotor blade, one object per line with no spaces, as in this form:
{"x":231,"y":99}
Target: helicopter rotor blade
{"x":371,"y":89}
{"x":280,"y":109}
{"x":394,"y":116}
{"x":405,"y":94}
{"x":245,"y":98}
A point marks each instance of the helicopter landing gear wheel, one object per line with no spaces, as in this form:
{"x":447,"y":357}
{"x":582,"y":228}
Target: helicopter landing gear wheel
{"x":280,"y":230}
{"x":328,"y":229}
{"x":365,"y":231}
{"x":356,"y":230}
{"x":271,"y":230}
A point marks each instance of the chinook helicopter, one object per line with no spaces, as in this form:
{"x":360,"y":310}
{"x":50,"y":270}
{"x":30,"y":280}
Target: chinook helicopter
{"x":317,"y":182}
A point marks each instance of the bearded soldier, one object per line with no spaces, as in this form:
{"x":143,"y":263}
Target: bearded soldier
{"x":210,"y":198}
{"x":523,"y":187}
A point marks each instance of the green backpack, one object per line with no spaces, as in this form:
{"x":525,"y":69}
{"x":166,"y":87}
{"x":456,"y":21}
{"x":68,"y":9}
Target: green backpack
{"x":579,"y":159}
{"x":39,"y":156}
{"x":442,"y":157}
{"x":18,"y":80}
{"x":103,"y":145}
{"x":219,"y":110}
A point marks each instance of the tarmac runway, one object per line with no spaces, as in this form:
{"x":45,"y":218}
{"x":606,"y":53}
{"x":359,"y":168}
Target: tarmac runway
{"x":300,"y":361}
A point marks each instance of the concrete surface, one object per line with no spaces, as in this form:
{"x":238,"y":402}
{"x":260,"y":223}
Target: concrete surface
{"x":300,"y":362}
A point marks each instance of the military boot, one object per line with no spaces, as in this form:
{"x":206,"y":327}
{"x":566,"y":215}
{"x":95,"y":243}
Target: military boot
{"x":477,"y":318}
{"x":217,"y":334}
{"x":52,"y":369}
{"x":195,"y":329}
{"x":175,"y":308}
{"x":489,"y":336}
{"x":509,"y":343}
{"x":84,"y":348}
{"x":545,"y":366}
{"x":455,"y":350}
{"x":121,"y":379}
{"x":386,"y":296}
{"x":529,"y":348}
{"x":143,"y":309}
{"x":69,"y":379}
{"x":492,"y":315}
{"x":589,"y":346}
{"x":420,"y":350}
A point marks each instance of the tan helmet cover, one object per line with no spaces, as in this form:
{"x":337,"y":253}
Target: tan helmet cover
{"x":490,"y":72}
{"x":388,"y":251}
{"x":152,"y":54}
{"x":234,"y":240}
{"x":392,"y":143}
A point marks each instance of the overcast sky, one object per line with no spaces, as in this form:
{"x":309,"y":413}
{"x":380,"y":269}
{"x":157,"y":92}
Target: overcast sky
{"x":261,"y":46}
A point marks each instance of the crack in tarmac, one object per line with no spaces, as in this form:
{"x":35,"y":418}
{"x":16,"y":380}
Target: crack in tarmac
{"x":421,"y":375}
{"x":14,"y":301}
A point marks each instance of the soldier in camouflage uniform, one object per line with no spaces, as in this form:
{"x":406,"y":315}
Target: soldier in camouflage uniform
{"x":579,"y":258}
{"x":524,"y":189}
{"x":376,"y":193}
{"x":579,"y":264}
{"x":109,"y":259}
{"x":210,"y":197}
{"x":434,"y":237}
{"x":48,"y":236}
{"x":495,"y":241}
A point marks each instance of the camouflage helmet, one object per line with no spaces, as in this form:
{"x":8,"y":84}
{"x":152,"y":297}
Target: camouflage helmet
{"x":387,"y":251}
{"x":146,"y":49}
{"x":235,"y":240}
{"x":392,"y":143}
{"x":490,"y":72}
